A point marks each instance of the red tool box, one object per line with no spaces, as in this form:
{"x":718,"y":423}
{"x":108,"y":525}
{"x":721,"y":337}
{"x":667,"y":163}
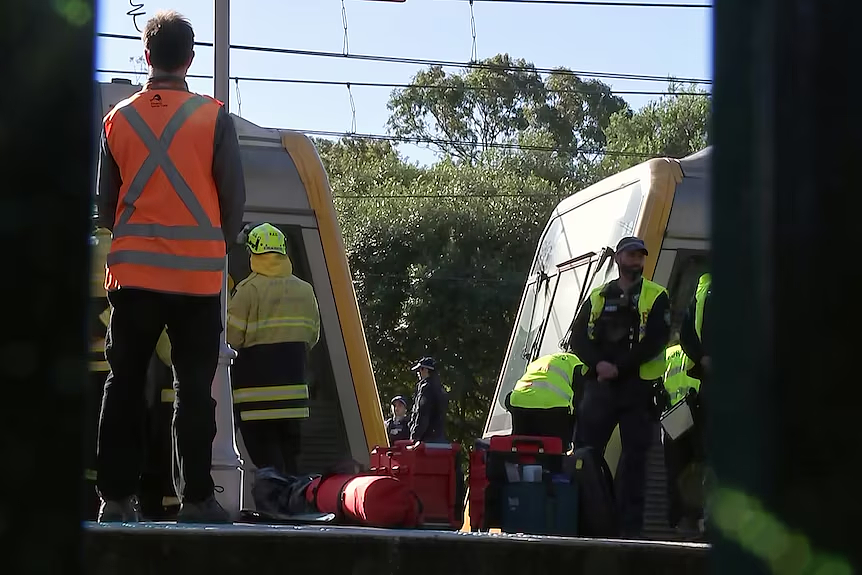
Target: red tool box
{"x":429,"y":470}
{"x":488,"y":472}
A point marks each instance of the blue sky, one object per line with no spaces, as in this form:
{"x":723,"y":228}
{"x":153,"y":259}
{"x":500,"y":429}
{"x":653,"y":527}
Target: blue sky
{"x":654,"y":41}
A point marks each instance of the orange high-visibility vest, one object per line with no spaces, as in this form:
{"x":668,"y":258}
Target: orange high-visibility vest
{"x":167,"y":229}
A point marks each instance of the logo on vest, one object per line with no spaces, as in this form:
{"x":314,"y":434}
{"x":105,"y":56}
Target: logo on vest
{"x":156,"y":102}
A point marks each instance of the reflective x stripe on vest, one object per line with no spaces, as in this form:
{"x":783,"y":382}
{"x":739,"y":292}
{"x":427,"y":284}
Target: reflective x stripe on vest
{"x":547,"y":383}
{"x":207,"y":258}
{"x":252,"y":402}
{"x":654,"y":368}
{"x":704,"y":285}
{"x":676,"y":380}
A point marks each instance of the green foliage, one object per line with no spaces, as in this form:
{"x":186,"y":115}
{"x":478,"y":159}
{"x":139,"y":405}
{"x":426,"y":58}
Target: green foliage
{"x":467,"y":112}
{"x":440,"y":253}
{"x":674,"y":126}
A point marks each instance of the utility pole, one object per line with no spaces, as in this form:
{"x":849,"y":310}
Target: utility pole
{"x":226,"y":464}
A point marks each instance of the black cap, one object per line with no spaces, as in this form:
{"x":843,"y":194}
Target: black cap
{"x":398,"y":398}
{"x":631,"y":244}
{"x":426,"y":362}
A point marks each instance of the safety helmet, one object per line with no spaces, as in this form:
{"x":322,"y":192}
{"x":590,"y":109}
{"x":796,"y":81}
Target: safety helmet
{"x":266,"y":238}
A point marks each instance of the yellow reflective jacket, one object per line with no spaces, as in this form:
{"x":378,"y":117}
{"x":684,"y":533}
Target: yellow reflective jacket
{"x":547,"y":383}
{"x":272,"y":306}
{"x":676,"y":381}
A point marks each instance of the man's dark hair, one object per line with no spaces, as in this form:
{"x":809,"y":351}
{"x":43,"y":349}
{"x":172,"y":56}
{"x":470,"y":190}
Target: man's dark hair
{"x":170,"y":39}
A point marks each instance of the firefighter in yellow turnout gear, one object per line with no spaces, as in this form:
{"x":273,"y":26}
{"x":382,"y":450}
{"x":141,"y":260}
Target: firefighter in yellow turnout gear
{"x":542,"y":402}
{"x":273,"y":321}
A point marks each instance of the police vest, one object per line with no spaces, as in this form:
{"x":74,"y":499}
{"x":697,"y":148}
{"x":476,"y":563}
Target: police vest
{"x":167,"y":234}
{"x":654,"y":368}
{"x":547,"y":383}
{"x":676,"y":380}
{"x":704,"y":286}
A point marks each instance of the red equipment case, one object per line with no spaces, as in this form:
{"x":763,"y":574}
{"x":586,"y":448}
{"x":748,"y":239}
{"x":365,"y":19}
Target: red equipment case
{"x":487,"y":470}
{"x":429,"y":470}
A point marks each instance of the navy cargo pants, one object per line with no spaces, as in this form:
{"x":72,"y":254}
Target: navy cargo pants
{"x":629,"y":404}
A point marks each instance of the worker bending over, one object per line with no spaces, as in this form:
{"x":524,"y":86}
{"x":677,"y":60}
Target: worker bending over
{"x":397,"y":426}
{"x":273,"y":321}
{"x":620,"y":333}
{"x":542,"y":402}
{"x":683,"y":456}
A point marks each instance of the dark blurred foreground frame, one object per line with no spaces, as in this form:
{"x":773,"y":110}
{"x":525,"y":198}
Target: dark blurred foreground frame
{"x":785,"y":436}
{"x":46,"y":146}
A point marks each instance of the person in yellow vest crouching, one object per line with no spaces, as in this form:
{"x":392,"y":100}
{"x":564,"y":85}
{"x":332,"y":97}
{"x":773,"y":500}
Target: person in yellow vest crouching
{"x":542,"y":402}
{"x":683,"y":456}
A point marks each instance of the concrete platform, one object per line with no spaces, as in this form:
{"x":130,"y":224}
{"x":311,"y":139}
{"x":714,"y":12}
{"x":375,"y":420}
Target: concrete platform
{"x":161,"y":548}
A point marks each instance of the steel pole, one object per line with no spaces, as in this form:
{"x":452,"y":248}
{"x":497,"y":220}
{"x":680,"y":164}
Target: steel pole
{"x":226,"y":463}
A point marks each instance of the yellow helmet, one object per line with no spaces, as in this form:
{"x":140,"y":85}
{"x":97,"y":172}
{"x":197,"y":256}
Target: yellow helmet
{"x":266,"y":238}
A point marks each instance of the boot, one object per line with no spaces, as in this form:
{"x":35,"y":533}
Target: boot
{"x":122,"y":511}
{"x":206,"y":511}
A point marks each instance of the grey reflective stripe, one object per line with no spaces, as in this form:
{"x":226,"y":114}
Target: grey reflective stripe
{"x":675,"y":370}
{"x":169,"y":261}
{"x":158,"y":158}
{"x":567,"y":377}
{"x":549,"y":387}
{"x":170,"y":232}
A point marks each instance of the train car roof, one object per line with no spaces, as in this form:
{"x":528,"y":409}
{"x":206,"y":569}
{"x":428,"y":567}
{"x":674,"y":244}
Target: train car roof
{"x":690,"y":216}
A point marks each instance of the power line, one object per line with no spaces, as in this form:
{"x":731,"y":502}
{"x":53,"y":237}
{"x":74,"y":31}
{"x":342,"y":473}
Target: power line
{"x":440,"y":63}
{"x":406,"y":86}
{"x":445,"y":142}
{"x":599,"y":3}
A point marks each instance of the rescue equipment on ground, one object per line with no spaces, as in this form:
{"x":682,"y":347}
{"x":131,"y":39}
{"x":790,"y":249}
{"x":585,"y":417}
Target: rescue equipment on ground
{"x":428,"y":469}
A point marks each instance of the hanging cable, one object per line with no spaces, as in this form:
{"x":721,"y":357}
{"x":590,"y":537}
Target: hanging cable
{"x":473,"y":56}
{"x":622,"y":4}
{"x":135,"y":13}
{"x":238,"y":99}
{"x":440,"y":63}
{"x":352,"y":110}
{"x":419,"y":86}
{"x":345,"y":48}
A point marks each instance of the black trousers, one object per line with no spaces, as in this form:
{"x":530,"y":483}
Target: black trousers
{"x":629,"y":405}
{"x":137,"y":319}
{"x":553,"y":422}
{"x":684,"y":477}
{"x":273,"y":443}
{"x":91,"y":432}
{"x":157,"y":491}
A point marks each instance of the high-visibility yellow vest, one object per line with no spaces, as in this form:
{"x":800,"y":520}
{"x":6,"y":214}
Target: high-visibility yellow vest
{"x":654,"y":368}
{"x":676,"y":381}
{"x":704,"y":285}
{"x":547,"y":383}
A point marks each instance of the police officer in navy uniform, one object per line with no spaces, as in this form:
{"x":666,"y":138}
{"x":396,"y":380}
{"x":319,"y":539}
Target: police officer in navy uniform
{"x":430,"y":404}
{"x":620,"y":334}
{"x":398,"y":426}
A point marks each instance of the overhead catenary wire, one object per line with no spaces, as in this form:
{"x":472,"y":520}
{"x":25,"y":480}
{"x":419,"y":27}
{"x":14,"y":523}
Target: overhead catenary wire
{"x":496,"y":145}
{"x":407,"y":85}
{"x":603,"y":3}
{"x":440,"y":63}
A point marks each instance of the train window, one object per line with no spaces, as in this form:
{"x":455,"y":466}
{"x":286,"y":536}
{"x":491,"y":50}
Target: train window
{"x":688,"y":266}
{"x":570,"y":285}
{"x":529,"y":322}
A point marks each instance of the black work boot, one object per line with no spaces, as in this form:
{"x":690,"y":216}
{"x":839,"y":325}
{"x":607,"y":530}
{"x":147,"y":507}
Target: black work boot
{"x":121,"y":511}
{"x":207,"y":511}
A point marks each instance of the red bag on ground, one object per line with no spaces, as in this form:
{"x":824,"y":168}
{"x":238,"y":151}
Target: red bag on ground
{"x":369,"y":500}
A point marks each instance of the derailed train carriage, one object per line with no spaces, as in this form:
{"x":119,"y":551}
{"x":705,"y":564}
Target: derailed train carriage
{"x":663,"y":201}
